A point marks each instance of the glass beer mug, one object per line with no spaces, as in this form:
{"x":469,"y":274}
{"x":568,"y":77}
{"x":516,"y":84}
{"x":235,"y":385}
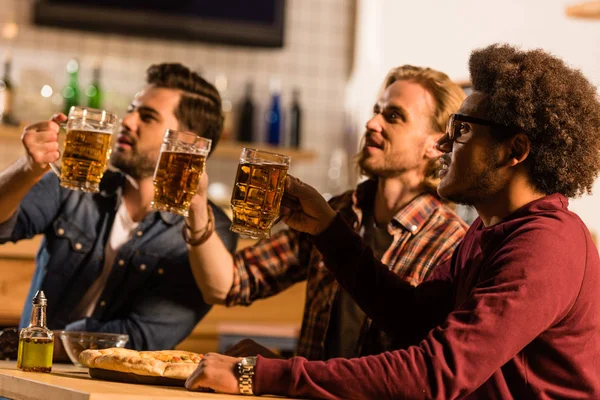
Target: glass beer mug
{"x":87,"y":148}
{"x":257,"y":192}
{"x":178,"y":171}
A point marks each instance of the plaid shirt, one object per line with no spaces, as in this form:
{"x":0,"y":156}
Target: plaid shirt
{"x":425,"y":233}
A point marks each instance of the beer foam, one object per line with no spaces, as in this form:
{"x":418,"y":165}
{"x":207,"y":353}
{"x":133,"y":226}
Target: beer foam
{"x":83,"y":130}
{"x":265,"y":162}
{"x":193,"y":150}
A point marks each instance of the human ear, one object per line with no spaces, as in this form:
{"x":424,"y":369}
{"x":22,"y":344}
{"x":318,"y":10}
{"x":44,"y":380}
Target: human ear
{"x":431,"y":150}
{"x":520,"y":146}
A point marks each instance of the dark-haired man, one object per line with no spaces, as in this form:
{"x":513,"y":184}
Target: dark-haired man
{"x":108,"y":262}
{"x":516,"y":313}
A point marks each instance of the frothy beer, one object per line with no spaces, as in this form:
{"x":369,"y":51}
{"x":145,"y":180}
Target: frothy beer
{"x":257,"y":196}
{"x":85,"y":159}
{"x":176,"y":180}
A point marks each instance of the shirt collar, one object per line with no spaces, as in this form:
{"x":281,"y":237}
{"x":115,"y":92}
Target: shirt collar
{"x":416,"y":213}
{"x":412,"y":217}
{"x":112,"y":185}
{"x":169,"y":218}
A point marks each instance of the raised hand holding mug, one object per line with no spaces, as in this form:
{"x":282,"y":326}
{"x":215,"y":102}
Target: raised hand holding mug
{"x":179,"y":170}
{"x":257,"y":192}
{"x":87,"y":148}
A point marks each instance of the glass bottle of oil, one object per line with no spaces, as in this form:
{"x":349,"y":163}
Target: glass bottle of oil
{"x":36,"y":342}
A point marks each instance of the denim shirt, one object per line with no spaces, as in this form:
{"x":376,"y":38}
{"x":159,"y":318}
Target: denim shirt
{"x":151,"y":293}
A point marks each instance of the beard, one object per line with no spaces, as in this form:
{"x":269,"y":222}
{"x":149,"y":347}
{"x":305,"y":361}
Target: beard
{"x":388,"y":168}
{"x":475,"y":187}
{"x":480,"y":191}
{"x":135,"y":164}
{"x":364,"y":168}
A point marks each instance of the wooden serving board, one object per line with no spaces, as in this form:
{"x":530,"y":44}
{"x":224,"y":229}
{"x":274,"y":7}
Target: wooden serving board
{"x":67,"y":382}
{"x":127,"y":377}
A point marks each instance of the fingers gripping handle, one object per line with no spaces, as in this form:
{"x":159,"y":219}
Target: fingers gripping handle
{"x":53,"y":166}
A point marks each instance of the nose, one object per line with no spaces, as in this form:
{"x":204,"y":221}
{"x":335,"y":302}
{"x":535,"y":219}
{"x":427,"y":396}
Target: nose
{"x":444,"y":144}
{"x":374,"y":124}
{"x":130,"y":121}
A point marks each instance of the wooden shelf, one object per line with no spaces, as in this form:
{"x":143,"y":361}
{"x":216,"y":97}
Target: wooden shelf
{"x":228,"y":150}
{"x":231,"y":150}
{"x":588,"y":10}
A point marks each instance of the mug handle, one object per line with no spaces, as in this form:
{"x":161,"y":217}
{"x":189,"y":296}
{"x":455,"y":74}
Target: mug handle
{"x":55,"y":168}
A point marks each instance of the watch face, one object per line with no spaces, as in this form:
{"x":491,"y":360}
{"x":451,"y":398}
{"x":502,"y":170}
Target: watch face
{"x":248,"y":361}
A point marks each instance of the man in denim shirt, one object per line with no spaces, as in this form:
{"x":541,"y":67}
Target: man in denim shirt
{"x":108,"y":262}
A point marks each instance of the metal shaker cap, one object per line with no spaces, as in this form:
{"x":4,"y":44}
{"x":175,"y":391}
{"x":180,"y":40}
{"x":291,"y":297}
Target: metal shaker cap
{"x":40,"y":299}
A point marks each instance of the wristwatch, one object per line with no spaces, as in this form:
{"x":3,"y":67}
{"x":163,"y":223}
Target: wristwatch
{"x":245,"y":369}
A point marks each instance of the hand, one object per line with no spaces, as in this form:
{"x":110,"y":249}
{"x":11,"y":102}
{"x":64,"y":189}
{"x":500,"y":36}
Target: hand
{"x":249,"y":347}
{"x":216,"y":372}
{"x":198,"y":212}
{"x":304,"y":209}
{"x":41,"y":143}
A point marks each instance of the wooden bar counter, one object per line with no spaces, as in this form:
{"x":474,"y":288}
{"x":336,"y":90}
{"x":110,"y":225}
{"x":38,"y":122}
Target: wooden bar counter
{"x":68,"y":382}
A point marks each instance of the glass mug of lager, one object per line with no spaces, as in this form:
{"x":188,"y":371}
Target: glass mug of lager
{"x":87,"y":148}
{"x":178,"y":171}
{"x":257,"y":192}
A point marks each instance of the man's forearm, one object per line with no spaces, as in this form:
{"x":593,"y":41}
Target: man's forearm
{"x":376,"y":289}
{"x":212,"y":266}
{"x":15,"y":182}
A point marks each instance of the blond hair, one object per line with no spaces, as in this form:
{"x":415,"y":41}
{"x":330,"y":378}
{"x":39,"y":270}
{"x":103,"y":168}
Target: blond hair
{"x":448,"y":97}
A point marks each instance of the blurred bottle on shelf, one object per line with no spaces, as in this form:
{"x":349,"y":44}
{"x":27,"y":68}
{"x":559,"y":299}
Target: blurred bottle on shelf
{"x":273,"y":116}
{"x":94,"y":91}
{"x":7,"y":94}
{"x":246,"y":125}
{"x":295,"y":120}
{"x":71,"y":94}
{"x":221,"y":84}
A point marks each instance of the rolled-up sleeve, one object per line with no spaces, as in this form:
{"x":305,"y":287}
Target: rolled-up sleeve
{"x":269,"y":267}
{"x":7,"y":228}
{"x":36,"y":212}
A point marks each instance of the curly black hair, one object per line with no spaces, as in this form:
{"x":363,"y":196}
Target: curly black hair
{"x":553,"y":104}
{"x":199,"y":108}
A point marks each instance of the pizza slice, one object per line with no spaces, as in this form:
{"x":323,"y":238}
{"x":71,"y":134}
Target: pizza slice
{"x":174,"y":364}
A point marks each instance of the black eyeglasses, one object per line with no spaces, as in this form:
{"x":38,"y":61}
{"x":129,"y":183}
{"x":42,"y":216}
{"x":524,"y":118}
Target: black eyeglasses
{"x":454,"y":127}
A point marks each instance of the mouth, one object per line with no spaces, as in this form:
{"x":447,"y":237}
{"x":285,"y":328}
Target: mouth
{"x":443,"y":171}
{"x":124,"y":141}
{"x":445,"y":166}
{"x":371,"y":143}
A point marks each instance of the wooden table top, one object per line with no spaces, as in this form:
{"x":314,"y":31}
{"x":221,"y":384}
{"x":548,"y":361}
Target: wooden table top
{"x":74,"y":383}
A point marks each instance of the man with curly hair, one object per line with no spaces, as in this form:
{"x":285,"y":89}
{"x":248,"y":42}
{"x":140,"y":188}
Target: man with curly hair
{"x":515,"y":314}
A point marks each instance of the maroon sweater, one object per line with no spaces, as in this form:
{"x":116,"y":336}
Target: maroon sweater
{"x":515,"y":314}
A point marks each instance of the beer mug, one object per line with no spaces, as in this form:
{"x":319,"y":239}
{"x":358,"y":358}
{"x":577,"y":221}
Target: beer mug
{"x":178,"y":171}
{"x":257,"y":192}
{"x":87,"y":148}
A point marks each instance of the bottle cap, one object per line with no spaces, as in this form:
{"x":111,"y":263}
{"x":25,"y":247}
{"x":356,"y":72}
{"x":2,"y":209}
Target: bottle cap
{"x":72,"y":66}
{"x":296,"y":93}
{"x":40,"y":299}
{"x":275,"y":85}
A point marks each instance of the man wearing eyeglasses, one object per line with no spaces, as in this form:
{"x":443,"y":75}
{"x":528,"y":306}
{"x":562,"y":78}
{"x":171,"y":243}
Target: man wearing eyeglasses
{"x":515,"y":314}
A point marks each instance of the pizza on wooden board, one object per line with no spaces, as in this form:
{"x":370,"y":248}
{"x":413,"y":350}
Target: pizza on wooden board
{"x":174,"y":364}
